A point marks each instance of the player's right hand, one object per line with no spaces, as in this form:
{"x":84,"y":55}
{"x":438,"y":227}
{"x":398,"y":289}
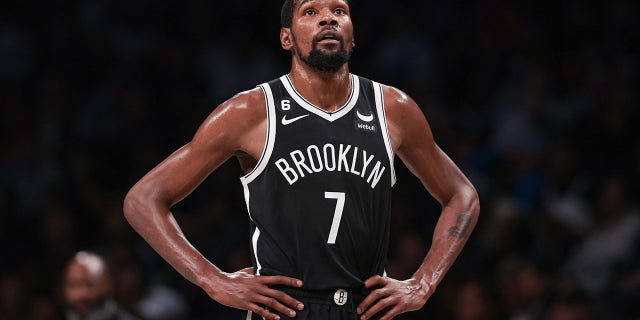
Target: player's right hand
{"x":247,"y":291}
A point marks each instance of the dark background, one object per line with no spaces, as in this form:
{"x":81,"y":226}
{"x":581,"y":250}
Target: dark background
{"x":536,"y":101}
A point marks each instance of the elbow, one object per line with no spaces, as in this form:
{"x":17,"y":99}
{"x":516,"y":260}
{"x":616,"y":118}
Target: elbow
{"x":135,"y":203}
{"x":465,"y":199}
{"x":131,"y":204}
{"x":473,"y":200}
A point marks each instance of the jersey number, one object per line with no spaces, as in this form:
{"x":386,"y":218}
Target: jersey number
{"x":285,"y":104}
{"x":337,"y":215}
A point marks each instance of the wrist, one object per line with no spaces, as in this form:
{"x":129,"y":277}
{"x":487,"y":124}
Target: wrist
{"x":426,"y":281}
{"x":423,"y":288}
{"x":209,"y":280}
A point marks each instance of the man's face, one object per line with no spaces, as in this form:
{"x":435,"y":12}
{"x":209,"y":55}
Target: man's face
{"x":84,"y":289}
{"x":321,"y":33}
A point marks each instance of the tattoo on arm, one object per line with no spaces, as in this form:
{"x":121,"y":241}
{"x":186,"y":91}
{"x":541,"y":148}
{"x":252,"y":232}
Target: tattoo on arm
{"x":462,"y":225}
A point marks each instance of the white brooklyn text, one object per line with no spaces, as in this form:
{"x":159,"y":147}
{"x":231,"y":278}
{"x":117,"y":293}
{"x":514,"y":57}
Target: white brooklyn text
{"x":341,"y":158}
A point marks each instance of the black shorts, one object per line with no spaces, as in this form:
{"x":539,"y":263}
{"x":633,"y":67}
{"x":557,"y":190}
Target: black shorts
{"x":338,"y":304}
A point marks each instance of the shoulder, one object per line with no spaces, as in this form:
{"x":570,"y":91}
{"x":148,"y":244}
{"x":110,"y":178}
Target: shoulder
{"x":246,"y":103}
{"x":245,"y":109}
{"x":404,"y":117}
{"x":397,"y":101}
{"x":234,"y":121}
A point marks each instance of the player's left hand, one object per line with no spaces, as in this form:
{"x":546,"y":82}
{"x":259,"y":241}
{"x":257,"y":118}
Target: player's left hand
{"x":393,"y":295}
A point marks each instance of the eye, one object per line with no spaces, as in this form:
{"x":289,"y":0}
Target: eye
{"x":308,"y":12}
{"x":339,"y":11}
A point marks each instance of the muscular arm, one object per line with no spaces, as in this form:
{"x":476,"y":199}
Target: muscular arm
{"x":413,"y":141}
{"x":238,"y":126}
{"x":442,"y":178}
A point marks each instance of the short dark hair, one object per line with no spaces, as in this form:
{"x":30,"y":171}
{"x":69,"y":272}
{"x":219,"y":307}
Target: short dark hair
{"x":286,"y":14}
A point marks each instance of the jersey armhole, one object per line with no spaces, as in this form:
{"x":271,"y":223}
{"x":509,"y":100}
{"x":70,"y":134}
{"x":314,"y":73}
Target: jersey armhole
{"x":259,"y":168}
{"x":270,"y":137}
{"x":382,"y":117}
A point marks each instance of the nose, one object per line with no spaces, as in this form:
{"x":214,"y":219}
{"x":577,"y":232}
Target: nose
{"x":328,"y":18}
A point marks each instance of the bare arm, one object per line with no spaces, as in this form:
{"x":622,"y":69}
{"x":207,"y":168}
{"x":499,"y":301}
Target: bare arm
{"x":413,"y":141}
{"x":238,"y":126}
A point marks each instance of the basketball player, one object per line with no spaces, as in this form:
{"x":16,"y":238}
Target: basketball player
{"x":317,"y":148}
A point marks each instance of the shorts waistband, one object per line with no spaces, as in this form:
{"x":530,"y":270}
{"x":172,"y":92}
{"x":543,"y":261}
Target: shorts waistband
{"x":336,"y":296}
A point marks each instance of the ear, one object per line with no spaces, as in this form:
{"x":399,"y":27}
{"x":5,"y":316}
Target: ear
{"x":286,"y":40}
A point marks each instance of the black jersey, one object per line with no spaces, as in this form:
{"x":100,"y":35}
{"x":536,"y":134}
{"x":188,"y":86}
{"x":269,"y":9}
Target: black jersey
{"x":319,"y":198}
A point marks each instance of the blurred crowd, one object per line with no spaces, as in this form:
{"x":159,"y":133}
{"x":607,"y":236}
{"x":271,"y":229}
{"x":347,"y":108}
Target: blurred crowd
{"x":534,"y":100}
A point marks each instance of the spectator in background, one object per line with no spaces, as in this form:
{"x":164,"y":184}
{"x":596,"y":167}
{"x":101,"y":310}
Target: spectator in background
{"x":612,"y":243}
{"x":522,"y":286}
{"x":86,"y":290}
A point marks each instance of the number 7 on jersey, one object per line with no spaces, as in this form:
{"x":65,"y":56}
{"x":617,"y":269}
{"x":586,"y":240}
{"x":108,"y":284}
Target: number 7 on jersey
{"x":337,"y":215}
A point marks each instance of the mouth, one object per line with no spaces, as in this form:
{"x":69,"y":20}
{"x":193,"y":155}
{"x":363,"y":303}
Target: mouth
{"x":328,"y":37}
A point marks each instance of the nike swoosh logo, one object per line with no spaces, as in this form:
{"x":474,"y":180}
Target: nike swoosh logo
{"x":364,"y":118}
{"x":286,"y":121}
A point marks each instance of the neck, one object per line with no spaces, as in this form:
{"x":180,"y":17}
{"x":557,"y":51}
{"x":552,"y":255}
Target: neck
{"x":326,"y":90}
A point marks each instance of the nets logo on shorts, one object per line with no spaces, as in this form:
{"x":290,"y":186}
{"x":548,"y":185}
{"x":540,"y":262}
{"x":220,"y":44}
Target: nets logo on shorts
{"x":340,"y":297}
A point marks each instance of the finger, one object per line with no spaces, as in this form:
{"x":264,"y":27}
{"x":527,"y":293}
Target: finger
{"x":281,"y":280}
{"x":381,"y":304}
{"x":284,"y":298}
{"x":375,"y":281}
{"x":263,"y":312}
{"x":374,"y":296}
{"x":392,"y":313}
{"x":273,"y":304}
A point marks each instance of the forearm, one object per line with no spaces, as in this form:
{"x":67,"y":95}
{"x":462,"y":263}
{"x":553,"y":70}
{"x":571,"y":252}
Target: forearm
{"x":457,"y":220}
{"x":156,"y":224}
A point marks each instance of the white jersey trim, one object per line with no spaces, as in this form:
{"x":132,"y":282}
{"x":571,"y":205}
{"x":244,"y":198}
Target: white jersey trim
{"x":269,"y":141}
{"x":254,"y":241}
{"x":354,"y":94}
{"x":382,"y":117}
{"x":262,"y":164}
